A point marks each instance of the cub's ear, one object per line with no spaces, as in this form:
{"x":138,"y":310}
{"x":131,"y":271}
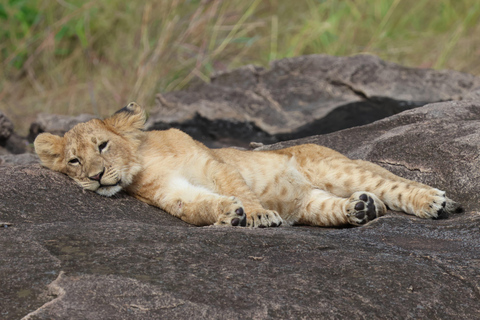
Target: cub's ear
{"x":128,"y":119}
{"x":50,"y":150}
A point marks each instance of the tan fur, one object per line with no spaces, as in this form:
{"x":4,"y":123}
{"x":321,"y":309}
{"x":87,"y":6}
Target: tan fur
{"x":306,"y":184}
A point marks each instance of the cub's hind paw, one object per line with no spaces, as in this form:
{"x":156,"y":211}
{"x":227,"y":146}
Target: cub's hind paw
{"x":232,"y":213}
{"x":432,"y":205}
{"x":453,"y":207}
{"x":267,"y":218}
{"x":364,"y":207}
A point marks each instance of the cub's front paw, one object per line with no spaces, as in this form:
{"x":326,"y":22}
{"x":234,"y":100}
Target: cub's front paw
{"x":364,"y":207}
{"x":263,"y":219}
{"x":232,"y":213}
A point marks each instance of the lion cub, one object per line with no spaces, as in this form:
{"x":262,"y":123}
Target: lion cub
{"x":306,"y":184}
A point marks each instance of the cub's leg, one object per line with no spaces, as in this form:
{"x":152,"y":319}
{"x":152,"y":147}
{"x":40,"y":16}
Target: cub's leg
{"x":221,"y":210}
{"x":342,"y":176}
{"x":222,"y":178}
{"x":196,"y":205}
{"x":229,"y":181}
{"x":325,"y":209}
{"x":450,"y":205}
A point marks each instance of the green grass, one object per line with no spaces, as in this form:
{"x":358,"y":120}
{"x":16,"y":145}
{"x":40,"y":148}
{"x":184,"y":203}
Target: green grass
{"x":78,"y":56}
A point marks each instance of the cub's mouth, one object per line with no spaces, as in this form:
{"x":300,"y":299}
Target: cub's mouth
{"x":109,"y":190}
{"x":110,"y":185}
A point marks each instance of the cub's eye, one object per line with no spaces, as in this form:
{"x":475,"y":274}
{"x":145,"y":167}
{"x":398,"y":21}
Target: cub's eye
{"x":102,"y":146}
{"x":74,"y":161}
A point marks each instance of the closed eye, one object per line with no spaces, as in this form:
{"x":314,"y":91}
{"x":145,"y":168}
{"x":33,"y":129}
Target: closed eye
{"x":102,"y":146}
{"x":74,"y":161}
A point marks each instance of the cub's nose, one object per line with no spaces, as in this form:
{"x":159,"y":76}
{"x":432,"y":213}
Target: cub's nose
{"x":98,"y":176}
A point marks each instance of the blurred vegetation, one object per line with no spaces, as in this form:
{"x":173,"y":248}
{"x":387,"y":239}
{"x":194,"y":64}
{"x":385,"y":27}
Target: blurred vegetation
{"x":80,"y":56}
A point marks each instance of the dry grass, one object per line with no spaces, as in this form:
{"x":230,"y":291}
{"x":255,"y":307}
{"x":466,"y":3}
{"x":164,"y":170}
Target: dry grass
{"x":72,"y":57}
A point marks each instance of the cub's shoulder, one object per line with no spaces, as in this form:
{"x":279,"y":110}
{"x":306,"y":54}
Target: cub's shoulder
{"x":173,"y":141}
{"x":169,"y":136}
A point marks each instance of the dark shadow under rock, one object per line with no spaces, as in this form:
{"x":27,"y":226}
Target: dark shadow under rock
{"x":348,"y":116}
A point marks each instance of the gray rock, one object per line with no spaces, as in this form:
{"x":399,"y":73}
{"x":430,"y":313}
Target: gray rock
{"x":71,"y":254}
{"x":10,"y":142}
{"x":3,"y":151}
{"x":473,"y":95}
{"x":6,"y":128}
{"x":17,"y":144}
{"x":302,"y":96}
{"x":18,"y":159}
{"x":55,"y":124}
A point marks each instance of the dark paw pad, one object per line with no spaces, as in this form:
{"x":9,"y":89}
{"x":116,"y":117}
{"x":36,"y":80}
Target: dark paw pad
{"x":233,"y":215}
{"x":243,"y":222}
{"x":240,"y":219}
{"x":363,"y":211}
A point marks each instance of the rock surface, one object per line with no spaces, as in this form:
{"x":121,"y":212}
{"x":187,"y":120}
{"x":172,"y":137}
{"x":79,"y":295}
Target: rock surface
{"x":18,"y":159}
{"x":55,"y":124}
{"x":71,"y":254}
{"x":303,"y":96}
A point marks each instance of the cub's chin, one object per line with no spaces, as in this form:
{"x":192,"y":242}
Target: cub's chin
{"x":108,"y":191}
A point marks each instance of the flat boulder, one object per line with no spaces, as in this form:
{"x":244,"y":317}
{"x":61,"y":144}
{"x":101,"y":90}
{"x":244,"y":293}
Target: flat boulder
{"x":72,"y":254}
{"x":302,"y":96}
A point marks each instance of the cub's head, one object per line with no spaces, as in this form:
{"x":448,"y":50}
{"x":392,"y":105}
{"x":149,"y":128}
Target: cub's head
{"x":100,"y":156}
